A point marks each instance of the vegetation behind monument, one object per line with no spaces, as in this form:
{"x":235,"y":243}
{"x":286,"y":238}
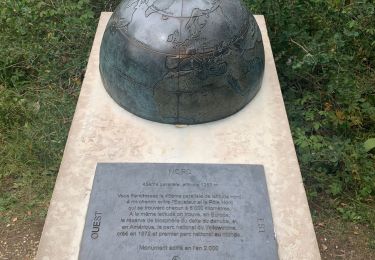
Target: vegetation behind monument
{"x":325,"y":56}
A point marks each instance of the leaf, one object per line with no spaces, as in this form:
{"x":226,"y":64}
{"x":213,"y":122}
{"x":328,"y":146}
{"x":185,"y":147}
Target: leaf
{"x":340,"y":115}
{"x":335,"y":188}
{"x":369,"y":144}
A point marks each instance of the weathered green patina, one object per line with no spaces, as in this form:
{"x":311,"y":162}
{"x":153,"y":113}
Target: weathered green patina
{"x":182,"y":61}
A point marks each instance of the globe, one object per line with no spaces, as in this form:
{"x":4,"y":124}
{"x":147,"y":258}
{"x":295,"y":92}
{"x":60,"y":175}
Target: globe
{"x":182,"y":61}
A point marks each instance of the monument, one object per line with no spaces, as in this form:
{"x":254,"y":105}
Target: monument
{"x":227,"y":185}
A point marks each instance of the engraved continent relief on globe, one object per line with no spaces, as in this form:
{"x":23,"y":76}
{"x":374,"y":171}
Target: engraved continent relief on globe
{"x":182,"y":61}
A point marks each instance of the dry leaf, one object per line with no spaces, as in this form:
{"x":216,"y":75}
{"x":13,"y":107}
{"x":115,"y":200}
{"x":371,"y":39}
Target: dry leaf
{"x":340,"y":115}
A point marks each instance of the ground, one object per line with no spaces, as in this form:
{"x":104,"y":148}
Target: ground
{"x":337,"y":239}
{"x":20,"y":239}
{"x":344,"y":240}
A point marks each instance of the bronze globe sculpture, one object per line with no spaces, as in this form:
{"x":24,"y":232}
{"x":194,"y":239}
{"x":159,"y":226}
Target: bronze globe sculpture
{"x":182,"y":61}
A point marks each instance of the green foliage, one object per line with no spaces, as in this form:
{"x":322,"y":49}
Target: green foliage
{"x":44,"y":49}
{"x":325,"y":58}
{"x":369,"y":144}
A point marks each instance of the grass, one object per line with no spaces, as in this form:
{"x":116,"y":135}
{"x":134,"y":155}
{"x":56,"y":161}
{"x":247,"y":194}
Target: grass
{"x":32,"y":144}
{"x":44,"y":49}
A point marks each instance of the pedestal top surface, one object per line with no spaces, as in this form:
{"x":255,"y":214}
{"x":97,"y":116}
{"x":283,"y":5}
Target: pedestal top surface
{"x":104,"y":132}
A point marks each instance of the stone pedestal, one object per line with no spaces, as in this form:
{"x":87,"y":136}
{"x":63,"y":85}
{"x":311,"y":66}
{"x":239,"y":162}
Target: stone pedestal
{"x":104,"y":132}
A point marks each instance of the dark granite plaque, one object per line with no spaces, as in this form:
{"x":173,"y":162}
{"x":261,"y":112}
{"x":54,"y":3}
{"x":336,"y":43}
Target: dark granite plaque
{"x":179,"y":212}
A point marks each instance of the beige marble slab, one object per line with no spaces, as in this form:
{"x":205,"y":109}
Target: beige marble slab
{"x":103,"y":132}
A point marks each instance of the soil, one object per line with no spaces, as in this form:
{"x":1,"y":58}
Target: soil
{"x":337,"y":239}
{"x":19,"y":239}
{"x":344,"y":240}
